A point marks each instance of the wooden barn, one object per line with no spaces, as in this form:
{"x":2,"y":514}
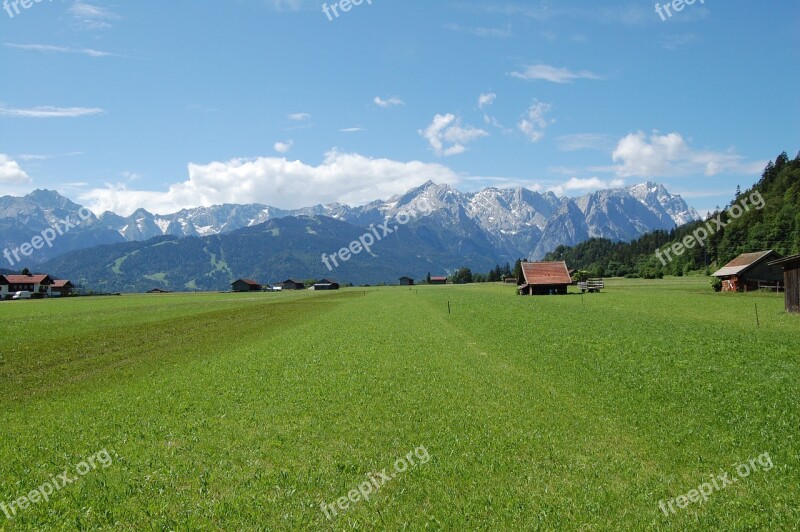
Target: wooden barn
{"x":326,"y":284}
{"x":438,"y":280}
{"x":791,"y":279}
{"x":245,"y":285}
{"x":751,"y":271}
{"x":62,"y":287}
{"x":291,"y":284}
{"x":406,"y":281}
{"x":545,"y":278}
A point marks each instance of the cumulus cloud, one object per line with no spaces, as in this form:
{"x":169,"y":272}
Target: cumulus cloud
{"x":344,"y":177}
{"x":487,"y":99}
{"x":585,"y":185}
{"x":447,"y":137}
{"x":283,"y":147}
{"x":552,"y":74}
{"x":638,"y":155}
{"x":534,"y":121}
{"x":394,"y":101}
{"x":11,"y":173}
{"x":299,"y":117}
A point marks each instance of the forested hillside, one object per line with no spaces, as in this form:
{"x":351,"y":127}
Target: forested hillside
{"x":776,"y":225}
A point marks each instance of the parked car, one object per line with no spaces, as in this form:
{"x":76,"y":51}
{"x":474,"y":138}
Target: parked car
{"x":24,"y":294}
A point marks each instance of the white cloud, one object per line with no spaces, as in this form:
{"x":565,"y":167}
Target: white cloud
{"x":352,"y":130}
{"x":500,"y":33}
{"x":671,"y":156}
{"x":11,"y":173}
{"x":394,"y":101}
{"x":344,"y":177}
{"x":47,"y":48}
{"x":585,"y":185}
{"x":47,"y":111}
{"x":90,"y":16}
{"x":486,"y":99}
{"x":283,"y":147}
{"x":447,"y":137}
{"x":552,"y":74}
{"x":534,"y":121}
{"x":299,"y":117}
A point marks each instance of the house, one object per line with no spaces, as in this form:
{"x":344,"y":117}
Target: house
{"x":291,"y":284}
{"x":158,"y":291}
{"x":37,"y":285}
{"x":3,"y":287}
{"x":791,"y":280}
{"x":62,"y":287}
{"x":406,"y":281}
{"x":510,"y":279}
{"x":543,"y":278}
{"x":438,"y":280}
{"x":325,"y":285}
{"x":751,"y":271}
{"x":245,"y":285}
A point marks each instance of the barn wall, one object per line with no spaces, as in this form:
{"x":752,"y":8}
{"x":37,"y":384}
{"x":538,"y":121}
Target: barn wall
{"x":763,"y":272}
{"x":792,"y":278}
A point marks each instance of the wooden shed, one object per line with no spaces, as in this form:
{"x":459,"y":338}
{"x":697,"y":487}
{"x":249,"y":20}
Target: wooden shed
{"x":791,"y":279}
{"x":291,"y":284}
{"x":245,"y":285}
{"x":438,"y":280}
{"x":545,"y":278}
{"x":406,"y":281}
{"x":751,"y":271}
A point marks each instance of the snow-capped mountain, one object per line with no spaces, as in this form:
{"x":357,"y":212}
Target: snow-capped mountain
{"x":515,"y":222}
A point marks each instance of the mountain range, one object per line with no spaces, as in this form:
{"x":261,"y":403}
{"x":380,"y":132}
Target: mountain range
{"x":479,"y":230}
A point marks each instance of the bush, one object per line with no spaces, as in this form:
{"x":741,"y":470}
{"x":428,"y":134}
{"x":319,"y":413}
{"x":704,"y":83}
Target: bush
{"x":716,"y":284}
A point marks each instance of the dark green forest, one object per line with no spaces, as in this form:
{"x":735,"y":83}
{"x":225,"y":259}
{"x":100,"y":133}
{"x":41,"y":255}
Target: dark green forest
{"x":774,"y":226}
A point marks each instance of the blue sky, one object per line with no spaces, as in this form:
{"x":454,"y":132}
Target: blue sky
{"x":169,"y":105}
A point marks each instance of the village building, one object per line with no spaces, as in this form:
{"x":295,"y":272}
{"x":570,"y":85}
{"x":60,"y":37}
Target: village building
{"x":3,"y":287}
{"x":406,"y":281}
{"x":545,"y":278}
{"x":791,"y":280}
{"x":291,"y":284}
{"x":326,"y":284}
{"x":158,"y":291}
{"x":37,"y":285}
{"x":245,"y":285}
{"x":751,"y":271}
{"x":438,"y":280}
{"x":62,"y":287}
{"x":510,"y":279}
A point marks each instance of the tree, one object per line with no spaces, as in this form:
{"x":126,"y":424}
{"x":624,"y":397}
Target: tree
{"x":26,"y":271}
{"x":462,"y":276}
{"x":428,"y":278}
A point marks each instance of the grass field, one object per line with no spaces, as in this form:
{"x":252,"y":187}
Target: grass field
{"x":223,"y":411}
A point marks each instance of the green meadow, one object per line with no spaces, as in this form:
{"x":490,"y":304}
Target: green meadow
{"x":249,"y":412}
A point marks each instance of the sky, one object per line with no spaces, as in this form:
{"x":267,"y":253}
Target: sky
{"x":291,"y":103}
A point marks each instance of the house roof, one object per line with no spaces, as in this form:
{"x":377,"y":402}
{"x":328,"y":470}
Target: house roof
{"x":409,"y":278}
{"x":785,"y":261}
{"x":61,"y":283}
{"x":546,"y":273}
{"x":326,"y":281}
{"x":248,"y":282}
{"x":28,"y":279}
{"x":292,"y":281}
{"x":438,"y":278}
{"x":744,"y":262}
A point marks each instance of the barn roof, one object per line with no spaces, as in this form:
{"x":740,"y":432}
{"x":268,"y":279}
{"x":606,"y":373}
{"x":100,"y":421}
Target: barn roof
{"x":27,"y":279}
{"x":744,"y":262}
{"x":435,"y":278}
{"x":786,"y":261}
{"x":249,"y":282}
{"x":546,"y":273}
{"x":61,"y":283}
